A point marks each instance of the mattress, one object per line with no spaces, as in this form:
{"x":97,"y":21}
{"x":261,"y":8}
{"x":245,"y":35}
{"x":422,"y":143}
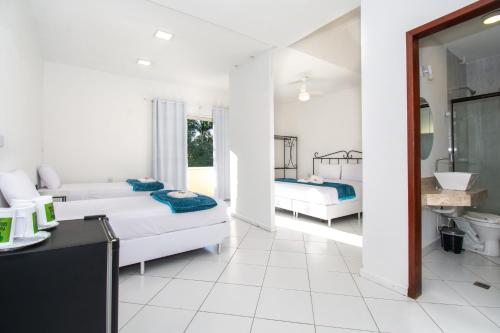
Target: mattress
{"x":320,"y":195}
{"x":141,"y":216}
{"x":83,"y":191}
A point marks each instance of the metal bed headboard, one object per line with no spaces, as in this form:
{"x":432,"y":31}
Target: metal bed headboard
{"x":341,"y":155}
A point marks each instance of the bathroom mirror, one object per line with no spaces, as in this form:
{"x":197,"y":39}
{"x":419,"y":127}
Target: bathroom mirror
{"x":426,"y":129}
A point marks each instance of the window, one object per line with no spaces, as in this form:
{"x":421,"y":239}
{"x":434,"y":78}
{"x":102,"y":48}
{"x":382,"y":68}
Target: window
{"x":200,"y":143}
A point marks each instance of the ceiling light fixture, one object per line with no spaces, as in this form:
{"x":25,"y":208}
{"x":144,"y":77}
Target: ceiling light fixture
{"x":143,"y":62}
{"x":304,"y":96}
{"x":492,"y":17}
{"x":164,"y":35}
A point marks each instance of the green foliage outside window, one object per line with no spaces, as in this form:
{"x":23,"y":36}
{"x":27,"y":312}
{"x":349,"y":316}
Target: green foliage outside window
{"x":200,"y":143}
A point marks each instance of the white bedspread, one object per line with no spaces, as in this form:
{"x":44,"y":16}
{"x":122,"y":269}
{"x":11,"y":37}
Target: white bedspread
{"x":140,"y":216}
{"x":321,"y":195}
{"x":82,"y":191}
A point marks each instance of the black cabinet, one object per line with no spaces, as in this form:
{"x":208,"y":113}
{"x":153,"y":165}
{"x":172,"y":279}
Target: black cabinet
{"x":69,"y":283}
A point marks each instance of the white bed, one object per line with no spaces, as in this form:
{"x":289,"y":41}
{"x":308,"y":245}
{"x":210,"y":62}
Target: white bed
{"x":320,"y":201}
{"x":148,"y":229}
{"x":83,"y":191}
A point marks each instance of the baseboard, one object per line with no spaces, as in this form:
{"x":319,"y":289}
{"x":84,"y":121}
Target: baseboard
{"x":431,"y":247}
{"x":403,"y":290}
{"x":252,"y":222}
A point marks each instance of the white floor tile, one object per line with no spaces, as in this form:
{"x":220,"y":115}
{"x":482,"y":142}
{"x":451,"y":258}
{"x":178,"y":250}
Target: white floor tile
{"x":459,"y":319}
{"x":333,"y":282}
{"x":211,"y":253}
{"x":238,"y":228}
{"x":492,"y":313}
{"x":250,"y":243}
{"x":232,"y":241}
{"x":488,"y":273}
{"x":324,"y":329}
{"x":348,"y":250}
{"x":289,"y":234}
{"x":243,"y":274}
{"x":318,"y":262}
{"x":354,"y":264}
{"x":153,"y":319}
{"x":371,"y":289}
{"x":286,"y":278}
{"x":428,"y":275}
{"x":140,"y":289}
{"x":232,"y":299}
{"x":183,"y":294}
{"x":256,"y":232}
{"x":475,"y":295}
{"x":451,"y":271}
{"x":166,"y":267}
{"x":273,"y":326}
{"x":287,"y":305}
{"x":464,"y":258}
{"x":401,"y":316}
{"x":323,"y":248}
{"x":315,"y":238}
{"x":126,"y":311}
{"x":205,"y":322}
{"x":252,"y":257}
{"x":437,"y":291}
{"x":342,"y":311}
{"x":289,"y":246}
{"x":288,"y":259}
{"x":204,"y":270}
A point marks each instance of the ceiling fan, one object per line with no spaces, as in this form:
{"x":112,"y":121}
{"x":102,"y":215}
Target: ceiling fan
{"x":304,"y":94}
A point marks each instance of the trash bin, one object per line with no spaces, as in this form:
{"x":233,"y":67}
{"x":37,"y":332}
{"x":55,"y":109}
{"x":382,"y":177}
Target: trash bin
{"x":452,"y":239}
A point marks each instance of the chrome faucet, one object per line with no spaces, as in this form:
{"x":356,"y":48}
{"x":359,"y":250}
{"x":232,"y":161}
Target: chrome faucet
{"x":436,"y":169}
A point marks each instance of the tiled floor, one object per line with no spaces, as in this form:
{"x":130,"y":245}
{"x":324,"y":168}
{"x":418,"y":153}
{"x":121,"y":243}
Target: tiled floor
{"x":302,"y":278}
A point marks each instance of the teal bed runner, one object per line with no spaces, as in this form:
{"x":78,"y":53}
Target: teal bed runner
{"x":345,"y":191}
{"x":138,"y":186}
{"x":184,"y":205}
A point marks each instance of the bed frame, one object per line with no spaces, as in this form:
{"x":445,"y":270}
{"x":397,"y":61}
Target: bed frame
{"x":326,"y":212}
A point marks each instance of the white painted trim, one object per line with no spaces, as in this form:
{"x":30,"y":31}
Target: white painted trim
{"x":431,"y":247}
{"x":252,"y":222}
{"x":403,"y":290}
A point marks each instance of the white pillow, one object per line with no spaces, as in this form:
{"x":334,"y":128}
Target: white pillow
{"x":17,"y":185}
{"x":49,"y":177}
{"x":352,"y":172}
{"x":330,"y":171}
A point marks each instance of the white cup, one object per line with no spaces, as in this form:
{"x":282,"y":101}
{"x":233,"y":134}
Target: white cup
{"x":26,"y":219}
{"x":45,"y":210}
{"x":7,"y":226}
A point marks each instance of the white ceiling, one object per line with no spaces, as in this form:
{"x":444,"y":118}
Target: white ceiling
{"x":291,"y":65}
{"x":276,"y":22}
{"x":210,"y":36}
{"x":472,"y":40}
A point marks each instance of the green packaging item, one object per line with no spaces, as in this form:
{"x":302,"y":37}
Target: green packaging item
{"x":5,"y":229}
{"x":49,"y":212}
{"x":35,"y":222}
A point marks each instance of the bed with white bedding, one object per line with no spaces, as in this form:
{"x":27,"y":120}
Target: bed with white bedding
{"x":323,"y":202}
{"x":149,"y":229}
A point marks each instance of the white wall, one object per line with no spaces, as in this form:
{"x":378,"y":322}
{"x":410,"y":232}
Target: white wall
{"x":435,"y":92}
{"x":385,"y":190}
{"x":251,"y":141}
{"x":97,"y":125}
{"x":20,"y":89}
{"x":324,"y":124}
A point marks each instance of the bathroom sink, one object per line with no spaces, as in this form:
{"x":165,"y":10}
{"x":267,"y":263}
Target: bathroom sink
{"x":459,"y":181}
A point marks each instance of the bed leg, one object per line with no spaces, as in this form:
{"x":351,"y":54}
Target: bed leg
{"x":219,"y":248}
{"x":359,"y":218}
{"x":143,"y":267}
{"x":329,"y":222}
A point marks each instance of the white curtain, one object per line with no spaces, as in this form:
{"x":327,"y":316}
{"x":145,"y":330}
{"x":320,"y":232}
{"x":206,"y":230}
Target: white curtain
{"x":170,"y":143}
{"x":221,"y":151}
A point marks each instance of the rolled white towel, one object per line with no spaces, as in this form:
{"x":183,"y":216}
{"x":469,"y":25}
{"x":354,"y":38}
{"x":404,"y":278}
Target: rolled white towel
{"x":147,"y":180}
{"x":182,"y":194}
{"x":316,"y":179}
{"x":301,"y":180}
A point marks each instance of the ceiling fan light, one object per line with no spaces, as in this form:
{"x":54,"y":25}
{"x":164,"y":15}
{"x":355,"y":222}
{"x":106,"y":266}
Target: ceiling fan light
{"x":304,"y":96}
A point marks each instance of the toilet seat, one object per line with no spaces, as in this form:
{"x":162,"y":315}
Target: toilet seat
{"x":482,"y":217}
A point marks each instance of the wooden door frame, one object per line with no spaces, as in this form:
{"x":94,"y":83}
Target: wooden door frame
{"x":476,"y":9}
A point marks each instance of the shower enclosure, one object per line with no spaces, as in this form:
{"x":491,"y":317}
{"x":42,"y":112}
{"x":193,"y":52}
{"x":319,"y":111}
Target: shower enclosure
{"x":475,"y":143}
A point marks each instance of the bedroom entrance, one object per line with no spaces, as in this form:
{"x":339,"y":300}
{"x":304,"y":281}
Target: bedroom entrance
{"x":447,"y":61}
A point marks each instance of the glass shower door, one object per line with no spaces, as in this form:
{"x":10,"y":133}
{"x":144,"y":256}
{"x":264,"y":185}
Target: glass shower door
{"x":476,"y":145}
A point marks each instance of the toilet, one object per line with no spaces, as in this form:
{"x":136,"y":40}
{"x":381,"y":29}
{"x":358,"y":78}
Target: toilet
{"x":482,"y":232}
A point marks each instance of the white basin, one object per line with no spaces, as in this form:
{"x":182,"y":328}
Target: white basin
{"x":459,"y":181}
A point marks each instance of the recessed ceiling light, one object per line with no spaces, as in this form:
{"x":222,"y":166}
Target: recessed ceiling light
{"x":143,"y":62}
{"x":492,"y":17}
{"x":164,"y":35}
